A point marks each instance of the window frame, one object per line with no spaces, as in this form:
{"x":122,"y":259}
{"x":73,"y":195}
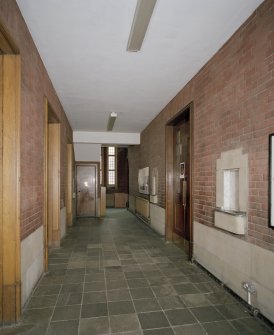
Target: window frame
{"x":115,"y":167}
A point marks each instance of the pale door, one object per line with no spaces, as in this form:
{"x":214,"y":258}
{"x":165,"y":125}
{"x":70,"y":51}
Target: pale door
{"x":86,"y":189}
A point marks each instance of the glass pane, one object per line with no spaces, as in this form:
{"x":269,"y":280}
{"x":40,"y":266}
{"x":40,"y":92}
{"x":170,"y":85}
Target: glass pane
{"x":231,"y":189}
{"x":111,"y":177}
{"x":111,"y":150}
{"x":111,"y":162}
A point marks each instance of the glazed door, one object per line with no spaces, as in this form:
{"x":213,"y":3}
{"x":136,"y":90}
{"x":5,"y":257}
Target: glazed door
{"x":181,"y":178}
{"x":86,"y":185}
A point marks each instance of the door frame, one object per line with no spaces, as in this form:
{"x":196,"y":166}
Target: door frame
{"x":97,"y":184}
{"x":169,"y":234}
{"x":10,"y":234}
{"x":52,"y":229}
{"x":69,"y":184}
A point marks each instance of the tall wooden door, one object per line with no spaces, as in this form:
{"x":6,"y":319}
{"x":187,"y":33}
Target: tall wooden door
{"x":86,"y":185}
{"x":181,"y":175}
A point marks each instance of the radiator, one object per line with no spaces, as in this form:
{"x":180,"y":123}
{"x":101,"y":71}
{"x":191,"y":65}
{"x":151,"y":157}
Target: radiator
{"x":142,"y":207}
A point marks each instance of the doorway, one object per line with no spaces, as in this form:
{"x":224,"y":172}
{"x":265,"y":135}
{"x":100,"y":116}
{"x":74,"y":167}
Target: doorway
{"x":52,"y":229}
{"x":179,"y":176}
{"x":87,"y":189}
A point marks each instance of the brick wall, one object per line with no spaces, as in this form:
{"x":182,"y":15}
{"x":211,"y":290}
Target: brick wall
{"x":35,"y":85}
{"x":233,"y":107}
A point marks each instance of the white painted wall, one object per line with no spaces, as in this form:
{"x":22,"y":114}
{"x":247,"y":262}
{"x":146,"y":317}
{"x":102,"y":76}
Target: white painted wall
{"x":87,"y":152}
{"x":32,"y":262}
{"x":157,"y":218}
{"x":233,"y":261}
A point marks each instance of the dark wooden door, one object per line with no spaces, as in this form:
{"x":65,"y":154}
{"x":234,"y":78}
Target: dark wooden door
{"x":181,"y":166}
{"x":86,"y":183}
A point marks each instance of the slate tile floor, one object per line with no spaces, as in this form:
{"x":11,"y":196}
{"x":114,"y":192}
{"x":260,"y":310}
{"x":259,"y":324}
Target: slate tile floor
{"x":115,"y":276}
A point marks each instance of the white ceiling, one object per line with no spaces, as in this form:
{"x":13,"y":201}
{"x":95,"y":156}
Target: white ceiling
{"x":83,"y":46}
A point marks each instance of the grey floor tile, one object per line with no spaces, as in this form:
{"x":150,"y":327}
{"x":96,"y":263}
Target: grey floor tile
{"x":218,"y":298}
{"x":94,"y":286}
{"x":146,"y":305}
{"x":47,"y":290}
{"x":63,"y":328}
{"x":160,"y":280}
{"x":39,"y":315}
{"x":178,"y":279}
{"x":72,"y":288}
{"x":72,"y":279}
{"x":233,"y":311}
{"x":137,"y":282}
{"x":251,"y":326}
{"x":120,"y":307}
{"x":195,"y":300}
{"x":152,"y":320}
{"x":141,"y":293}
{"x":134,"y":332}
{"x":178,"y":317}
{"x":161,"y":331}
{"x":119,"y":295}
{"x":198,"y":278}
{"x":152,"y":273}
{"x":209,"y":287}
{"x":171,"y":302}
{"x":65,"y":299}
{"x":221,"y":327}
{"x":94,"y":326}
{"x":94,"y":310}
{"x":94,"y":297}
{"x":28,"y":329}
{"x":124,"y":323}
{"x":66,"y":313}
{"x":206,"y":314}
{"x":97,"y":277}
{"x":185,"y":288}
{"x":163,"y":290}
{"x":42,"y":301}
{"x":134,"y":274}
{"x":190,"y":330}
{"x":116,"y":284}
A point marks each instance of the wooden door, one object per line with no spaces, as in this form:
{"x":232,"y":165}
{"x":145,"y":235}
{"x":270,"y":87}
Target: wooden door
{"x":86,"y":186}
{"x":181,"y":175}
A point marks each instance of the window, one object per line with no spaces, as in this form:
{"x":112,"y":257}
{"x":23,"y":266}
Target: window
{"x":111,"y":159}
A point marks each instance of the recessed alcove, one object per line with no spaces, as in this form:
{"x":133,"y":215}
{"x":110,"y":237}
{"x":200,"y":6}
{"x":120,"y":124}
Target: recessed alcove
{"x":232,"y":191}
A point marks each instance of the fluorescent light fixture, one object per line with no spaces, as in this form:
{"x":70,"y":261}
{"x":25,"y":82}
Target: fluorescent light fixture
{"x":143,"y":12}
{"x":111,"y":120}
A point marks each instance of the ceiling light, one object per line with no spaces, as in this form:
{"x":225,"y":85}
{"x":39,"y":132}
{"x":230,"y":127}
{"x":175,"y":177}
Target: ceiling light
{"x":111,"y":120}
{"x":140,"y":23}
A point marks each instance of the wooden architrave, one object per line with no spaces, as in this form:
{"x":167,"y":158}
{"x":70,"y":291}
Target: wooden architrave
{"x":69,"y":186}
{"x":52,"y":140}
{"x":10,"y":243}
{"x":53,"y":215}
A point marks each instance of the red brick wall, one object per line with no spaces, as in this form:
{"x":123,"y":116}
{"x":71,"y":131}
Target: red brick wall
{"x":36,"y":85}
{"x":233,"y":107}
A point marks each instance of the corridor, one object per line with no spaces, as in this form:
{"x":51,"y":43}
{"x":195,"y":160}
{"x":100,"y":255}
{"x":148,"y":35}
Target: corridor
{"x":116,"y":276}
